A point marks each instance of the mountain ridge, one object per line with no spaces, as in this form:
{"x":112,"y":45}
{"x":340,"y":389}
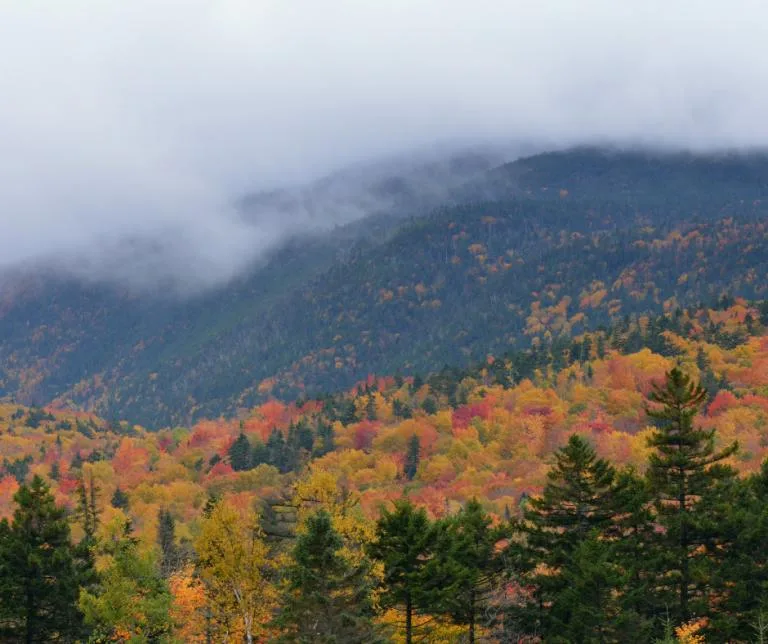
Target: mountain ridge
{"x":551,"y":244}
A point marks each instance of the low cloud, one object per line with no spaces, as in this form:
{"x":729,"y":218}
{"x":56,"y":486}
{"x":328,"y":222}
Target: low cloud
{"x":128,"y":130}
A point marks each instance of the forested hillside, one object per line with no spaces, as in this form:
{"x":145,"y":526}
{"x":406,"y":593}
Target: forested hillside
{"x":541,"y":249}
{"x":164,"y":520}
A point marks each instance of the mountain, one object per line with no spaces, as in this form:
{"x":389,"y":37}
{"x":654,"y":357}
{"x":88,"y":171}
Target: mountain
{"x":499,"y":258}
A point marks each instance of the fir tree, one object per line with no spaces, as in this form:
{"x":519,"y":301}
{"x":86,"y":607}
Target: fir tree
{"x":412,"y":458}
{"x":464,"y":574}
{"x":276,"y":450}
{"x":119,"y":499}
{"x":327,"y":599}
{"x":241,"y":454}
{"x":86,"y":510}
{"x":325,"y":444}
{"x":404,"y":542}
{"x":577,"y":503}
{"x":170,"y":556}
{"x":684,"y":470}
{"x":38,"y":576}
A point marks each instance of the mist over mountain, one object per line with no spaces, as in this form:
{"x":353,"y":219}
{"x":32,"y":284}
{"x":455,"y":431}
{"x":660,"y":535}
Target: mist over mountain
{"x":525,"y":254}
{"x":130,"y":131}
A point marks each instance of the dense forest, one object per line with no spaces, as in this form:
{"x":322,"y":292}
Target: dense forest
{"x":525,"y":254}
{"x":606,"y":486}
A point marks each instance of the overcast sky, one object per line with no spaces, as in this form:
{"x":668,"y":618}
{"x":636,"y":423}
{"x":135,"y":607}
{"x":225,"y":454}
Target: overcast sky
{"x":143,"y":119}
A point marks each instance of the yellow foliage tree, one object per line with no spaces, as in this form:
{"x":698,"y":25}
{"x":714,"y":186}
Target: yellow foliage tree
{"x":236,"y":570}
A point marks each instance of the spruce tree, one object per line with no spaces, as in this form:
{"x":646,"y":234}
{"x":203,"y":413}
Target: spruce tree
{"x":119,"y":499}
{"x":464,"y":574}
{"x":276,"y":452}
{"x":684,"y":471}
{"x":327,"y":598}
{"x":241,"y":454}
{"x":412,"y":458}
{"x":403,"y":544}
{"x":39,"y":582}
{"x":577,"y":504}
{"x":170,"y":556}
{"x":740,"y":579}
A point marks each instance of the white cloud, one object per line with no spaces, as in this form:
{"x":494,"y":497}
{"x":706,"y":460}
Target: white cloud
{"x":145,"y":119}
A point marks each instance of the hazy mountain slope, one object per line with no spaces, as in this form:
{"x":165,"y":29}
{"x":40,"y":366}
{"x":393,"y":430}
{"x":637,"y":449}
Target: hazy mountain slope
{"x":562,"y":242}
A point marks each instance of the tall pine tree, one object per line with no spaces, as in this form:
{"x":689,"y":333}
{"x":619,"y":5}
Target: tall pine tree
{"x":578,"y":505}
{"x":404,"y":544}
{"x":465,"y":573}
{"x":327,"y":598}
{"x":685,"y":470}
{"x":39,"y":581}
{"x":412,"y":458}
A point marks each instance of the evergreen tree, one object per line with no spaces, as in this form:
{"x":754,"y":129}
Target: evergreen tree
{"x":241,"y":454}
{"x":429,"y":405}
{"x":577,"y":504}
{"x":38,"y":576}
{"x":370,"y":407}
{"x":404,"y":542}
{"x":464,"y":575}
{"x":325,"y":444}
{"x":327,"y":599}
{"x":86,"y":510}
{"x":119,"y":499}
{"x":170,"y":555}
{"x":276,"y":450}
{"x":260,"y":454}
{"x":740,"y":579}
{"x":685,"y":470}
{"x":412,"y":458}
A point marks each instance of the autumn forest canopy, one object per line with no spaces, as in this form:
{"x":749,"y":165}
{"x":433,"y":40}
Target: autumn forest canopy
{"x":534,"y":409}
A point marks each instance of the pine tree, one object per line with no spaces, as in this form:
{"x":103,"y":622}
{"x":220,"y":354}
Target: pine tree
{"x":404,"y":543}
{"x":741,"y":577}
{"x":684,"y":470}
{"x":38,"y":576}
{"x":86,"y":511}
{"x":577,"y":504}
{"x":119,"y":499}
{"x":463,"y":576}
{"x":276,"y":450}
{"x":170,"y":556}
{"x":412,"y":458}
{"x":327,"y":599}
{"x":325,"y":444}
{"x":241,"y":454}
{"x":370,"y":407}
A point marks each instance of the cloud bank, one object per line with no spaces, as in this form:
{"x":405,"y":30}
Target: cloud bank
{"x":128,"y":129}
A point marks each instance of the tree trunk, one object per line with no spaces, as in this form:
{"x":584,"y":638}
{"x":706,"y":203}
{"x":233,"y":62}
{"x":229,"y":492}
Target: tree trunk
{"x":684,"y":571}
{"x":472,"y":617}
{"x":408,"y":619}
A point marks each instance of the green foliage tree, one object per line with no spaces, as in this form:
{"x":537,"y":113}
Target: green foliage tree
{"x":119,"y":499}
{"x":464,"y":574}
{"x":38,"y":574}
{"x":170,"y":555}
{"x":412,"y":458}
{"x":241,"y":454}
{"x":404,"y":543}
{"x":741,"y":577}
{"x":578,"y":505}
{"x":685,"y":471}
{"x":327,"y":598}
{"x":132,"y":600}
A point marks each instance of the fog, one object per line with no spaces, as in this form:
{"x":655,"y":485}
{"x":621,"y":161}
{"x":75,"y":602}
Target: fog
{"x":128,"y":130}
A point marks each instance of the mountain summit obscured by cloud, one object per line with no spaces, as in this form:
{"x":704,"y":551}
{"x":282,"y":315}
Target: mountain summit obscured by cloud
{"x":133,"y":125}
